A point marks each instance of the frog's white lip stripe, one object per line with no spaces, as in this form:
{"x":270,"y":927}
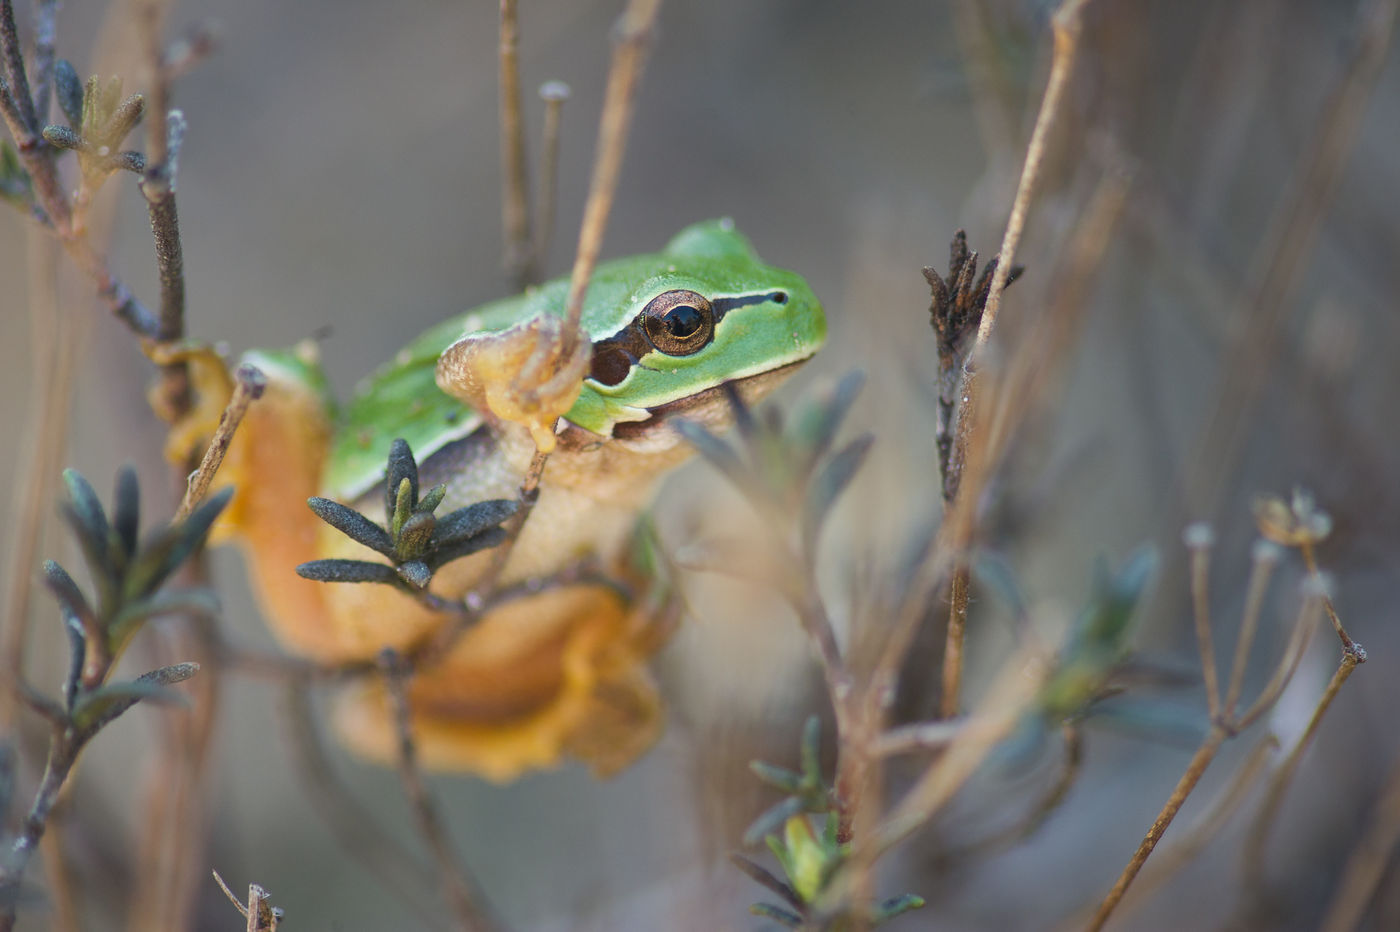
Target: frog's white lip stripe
{"x":711,"y":406}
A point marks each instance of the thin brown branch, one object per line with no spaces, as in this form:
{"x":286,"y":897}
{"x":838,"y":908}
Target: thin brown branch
{"x":1220,"y":731}
{"x":1067,"y":30}
{"x":1067,"y":24}
{"x":1253,"y":853}
{"x":13,"y":54}
{"x":1194,"y":770}
{"x":1298,"y":640}
{"x":457,"y":889}
{"x":1309,"y":553}
{"x":921,"y":736}
{"x":17,"y":108}
{"x":62,"y":756}
{"x":1265,"y":558}
{"x":634,"y":33}
{"x":554,"y":93}
{"x":260,"y":916}
{"x":1208,"y":826}
{"x":45,"y":17}
{"x":515,"y":191}
{"x":959,"y":592}
{"x":1199,"y":538}
{"x":249,"y":383}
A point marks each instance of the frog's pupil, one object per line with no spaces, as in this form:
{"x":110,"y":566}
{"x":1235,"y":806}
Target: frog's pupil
{"x":683,"y":320}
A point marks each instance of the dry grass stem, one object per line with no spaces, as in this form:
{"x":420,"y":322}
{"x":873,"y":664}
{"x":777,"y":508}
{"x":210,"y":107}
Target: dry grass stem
{"x":1198,"y":541}
{"x":249,"y":383}
{"x":260,"y":915}
{"x":1254,"y":853}
{"x":634,"y":34}
{"x":1194,"y":770}
{"x":959,"y":591}
{"x":1298,"y":640}
{"x":1209,"y":825}
{"x":1265,"y":558}
{"x":515,"y":190}
{"x":1220,"y":730}
{"x":1066,"y":29}
{"x":910,"y":739}
{"x":452,"y":875}
{"x":554,"y":93}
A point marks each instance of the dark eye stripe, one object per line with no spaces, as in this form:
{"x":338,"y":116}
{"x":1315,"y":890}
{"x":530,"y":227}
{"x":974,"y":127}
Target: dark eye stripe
{"x":723,"y":306}
{"x":614,"y":357}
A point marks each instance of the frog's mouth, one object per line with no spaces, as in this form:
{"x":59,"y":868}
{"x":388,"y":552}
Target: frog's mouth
{"x":710,"y":408}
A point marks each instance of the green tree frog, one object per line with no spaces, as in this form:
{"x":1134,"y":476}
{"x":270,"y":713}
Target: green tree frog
{"x":562,"y":672}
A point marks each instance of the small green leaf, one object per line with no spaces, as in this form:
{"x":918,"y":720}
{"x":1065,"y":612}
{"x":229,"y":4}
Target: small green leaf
{"x":818,"y":421}
{"x":811,"y":748}
{"x":715,"y":451}
{"x":61,"y":137}
{"x":120,"y":630}
{"x":431,"y":499}
{"x":172,"y":546}
{"x":401,"y":466}
{"x":77,"y":658}
{"x":772,"y":819}
{"x":89,"y":523}
{"x":415,"y":535}
{"x":806,"y":859}
{"x":472,"y":520}
{"x":443,"y":555}
{"x":403,"y":506}
{"x":831,"y":480}
{"x":68,"y":88}
{"x":779,"y":915}
{"x":124,"y":119}
{"x":353,"y":525}
{"x":100,"y":706}
{"x":92,"y":105}
{"x":349,"y":571}
{"x":778,"y":777}
{"x":66,"y":591}
{"x":896,"y":906}
{"x":764,"y":877}
{"x":126,"y":510}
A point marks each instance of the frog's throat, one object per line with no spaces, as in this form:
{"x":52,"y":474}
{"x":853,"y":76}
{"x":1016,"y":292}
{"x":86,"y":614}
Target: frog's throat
{"x":710,"y":408}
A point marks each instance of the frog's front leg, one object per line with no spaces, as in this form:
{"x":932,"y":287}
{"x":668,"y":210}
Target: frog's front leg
{"x":529,"y":374}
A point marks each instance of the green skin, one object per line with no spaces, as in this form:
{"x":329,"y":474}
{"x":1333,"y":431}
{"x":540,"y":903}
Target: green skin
{"x":711,"y":258}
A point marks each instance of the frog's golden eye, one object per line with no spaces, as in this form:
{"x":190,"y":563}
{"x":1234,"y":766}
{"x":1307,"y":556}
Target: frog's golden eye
{"x":679,"y":323}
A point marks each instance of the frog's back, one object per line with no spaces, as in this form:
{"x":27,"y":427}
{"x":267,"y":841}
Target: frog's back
{"x":401,"y":398}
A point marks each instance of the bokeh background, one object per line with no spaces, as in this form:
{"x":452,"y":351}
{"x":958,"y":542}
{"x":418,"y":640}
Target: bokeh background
{"x":340,"y":176}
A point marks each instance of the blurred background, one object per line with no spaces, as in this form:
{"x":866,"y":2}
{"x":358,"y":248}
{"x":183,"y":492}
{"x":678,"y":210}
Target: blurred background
{"x":341,"y":175}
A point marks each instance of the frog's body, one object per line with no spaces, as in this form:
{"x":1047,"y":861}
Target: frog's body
{"x":562,"y":671}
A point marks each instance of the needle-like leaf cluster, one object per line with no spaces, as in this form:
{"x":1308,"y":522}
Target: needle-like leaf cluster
{"x":415,"y":541}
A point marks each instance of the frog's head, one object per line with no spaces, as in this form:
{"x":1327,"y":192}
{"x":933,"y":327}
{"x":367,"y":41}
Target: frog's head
{"x":669,"y":330}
